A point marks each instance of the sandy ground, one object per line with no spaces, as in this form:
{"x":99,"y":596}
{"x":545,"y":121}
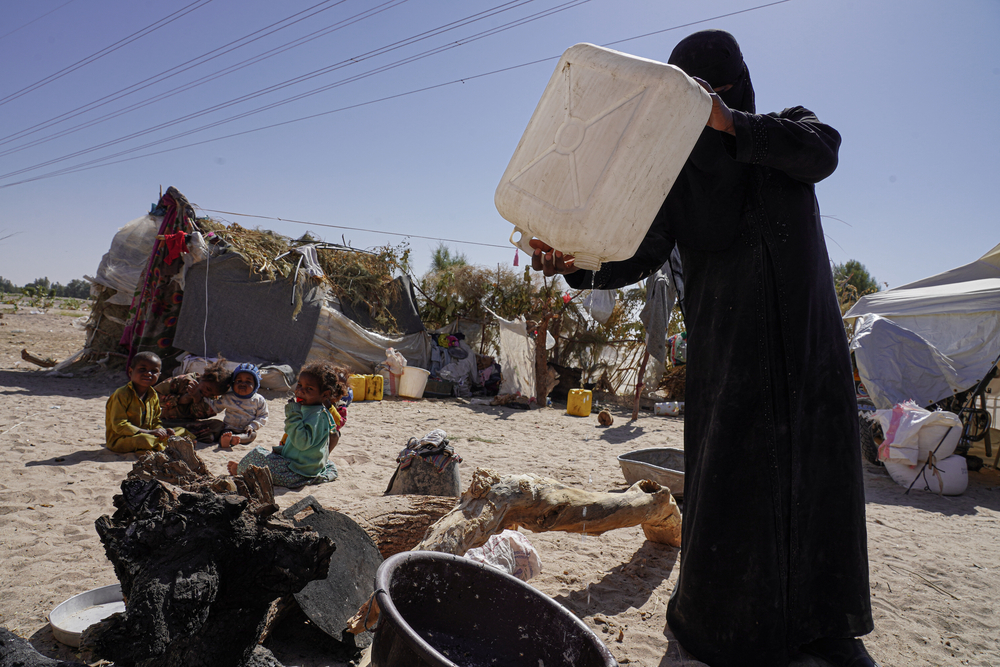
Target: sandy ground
{"x":935,"y":563}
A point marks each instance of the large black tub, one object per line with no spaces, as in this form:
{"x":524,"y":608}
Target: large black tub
{"x":446,"y":611}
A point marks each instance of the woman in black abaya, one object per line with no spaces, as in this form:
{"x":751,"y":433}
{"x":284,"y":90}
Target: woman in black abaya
{"x":774,"y":553}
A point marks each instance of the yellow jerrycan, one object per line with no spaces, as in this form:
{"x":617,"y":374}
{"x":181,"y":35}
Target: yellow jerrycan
{"x":579,"y":402}
{"x":375,"y":384}
{"x":359,"y":386}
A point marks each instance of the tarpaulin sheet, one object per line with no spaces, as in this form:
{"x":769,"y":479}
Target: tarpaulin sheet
{"x":346,"y":342}
{"x":246,"y":317}
{"x":971,"y":288}
{"x":897,"y":365}
{"x":517,"y":357}
{"x":929,"y":338}
{"x":123,"y":263}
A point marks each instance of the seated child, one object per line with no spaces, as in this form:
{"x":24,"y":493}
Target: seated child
{"x":246,"y":410}
{"x":303,"y":456}
{"x":183,"y":400}
{"x":339,"y":414}
{"x":132,"y":415}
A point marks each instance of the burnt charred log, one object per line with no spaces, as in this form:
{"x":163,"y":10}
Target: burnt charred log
{"x":18,"y":652}
{"x":199,"y":569}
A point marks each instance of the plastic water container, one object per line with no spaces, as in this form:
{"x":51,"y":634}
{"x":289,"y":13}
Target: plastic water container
{"x":601,"y":151}
{"x":374,"y":384}
{"x":579,"y":402}
{"x":412,"y":382}
{"x":359,"y":385}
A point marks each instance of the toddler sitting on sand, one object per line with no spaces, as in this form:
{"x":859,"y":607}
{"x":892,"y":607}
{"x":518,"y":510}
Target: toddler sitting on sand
{"x":132,"y":413}
{"x":303,"y":455}
{"x":246,"y":410}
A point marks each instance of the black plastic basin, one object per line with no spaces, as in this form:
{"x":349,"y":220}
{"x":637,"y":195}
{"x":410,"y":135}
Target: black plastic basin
{"x":446,"y":611}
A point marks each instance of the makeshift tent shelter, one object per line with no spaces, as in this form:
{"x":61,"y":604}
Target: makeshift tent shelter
{"x":248,"y":317}
{"x":931,"y":338}
{"x":197,"y":294}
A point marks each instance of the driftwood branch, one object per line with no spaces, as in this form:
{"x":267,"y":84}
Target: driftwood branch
{"x":38,"y":361}
{"x":496,"y":502}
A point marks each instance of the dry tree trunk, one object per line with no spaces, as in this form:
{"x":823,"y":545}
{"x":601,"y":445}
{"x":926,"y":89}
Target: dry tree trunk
{"x":496,"y":502}
{"x":397,"y":523}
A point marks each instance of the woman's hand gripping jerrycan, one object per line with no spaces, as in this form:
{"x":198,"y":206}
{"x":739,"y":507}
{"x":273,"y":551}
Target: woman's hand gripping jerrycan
{"x":605,"y":144}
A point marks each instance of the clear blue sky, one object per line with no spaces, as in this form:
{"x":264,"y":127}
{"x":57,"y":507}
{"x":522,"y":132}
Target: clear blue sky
{"x":912,"y":85}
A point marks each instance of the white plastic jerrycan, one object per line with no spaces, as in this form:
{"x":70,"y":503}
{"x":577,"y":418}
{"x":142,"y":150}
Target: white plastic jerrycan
{"x":605,"y":144}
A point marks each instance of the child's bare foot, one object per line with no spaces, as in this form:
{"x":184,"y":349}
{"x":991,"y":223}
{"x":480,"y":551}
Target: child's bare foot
{"x":233,"y":468}
{"x":226,"y":440}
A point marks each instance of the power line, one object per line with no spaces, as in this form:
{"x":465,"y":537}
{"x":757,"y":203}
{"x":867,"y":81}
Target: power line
{"x":253,"y":61}
{"x":151,"y":28}
{"x":191,"y":64}
{"x":420,"y":37}
{"x":5,"y":35}
{"x":353,"y":229}
{"x":89,"y":166}
{"x":108,"y":160}
{"x":692,"y":23}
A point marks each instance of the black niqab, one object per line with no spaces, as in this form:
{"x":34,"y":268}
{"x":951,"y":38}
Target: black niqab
{"x":711,"y":186}
{"x":714,"y":55}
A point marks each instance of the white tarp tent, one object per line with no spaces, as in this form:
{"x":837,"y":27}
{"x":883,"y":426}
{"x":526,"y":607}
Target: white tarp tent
{"x":931,"y":338}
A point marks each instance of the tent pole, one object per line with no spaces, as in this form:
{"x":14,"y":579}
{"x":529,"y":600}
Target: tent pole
{"x":639,"y":384}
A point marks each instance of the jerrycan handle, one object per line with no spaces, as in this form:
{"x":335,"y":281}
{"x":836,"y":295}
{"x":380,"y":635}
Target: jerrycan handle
{"x":524,"y":243}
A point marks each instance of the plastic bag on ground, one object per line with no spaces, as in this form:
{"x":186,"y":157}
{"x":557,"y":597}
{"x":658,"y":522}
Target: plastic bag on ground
{"x":395,"y":361}
{"x":600,"y":303}
{"x":509,"y":552}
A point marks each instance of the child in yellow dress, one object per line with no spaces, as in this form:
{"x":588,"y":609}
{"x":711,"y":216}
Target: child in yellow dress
{"x":132,"y":414}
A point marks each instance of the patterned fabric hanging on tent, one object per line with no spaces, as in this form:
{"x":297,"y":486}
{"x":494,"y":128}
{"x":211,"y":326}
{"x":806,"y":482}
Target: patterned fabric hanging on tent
{"x":156,"y":304}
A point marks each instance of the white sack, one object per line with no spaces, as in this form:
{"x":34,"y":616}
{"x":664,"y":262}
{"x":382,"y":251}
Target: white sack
{"x":948,"y":477}
{"x":905,"y":441}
